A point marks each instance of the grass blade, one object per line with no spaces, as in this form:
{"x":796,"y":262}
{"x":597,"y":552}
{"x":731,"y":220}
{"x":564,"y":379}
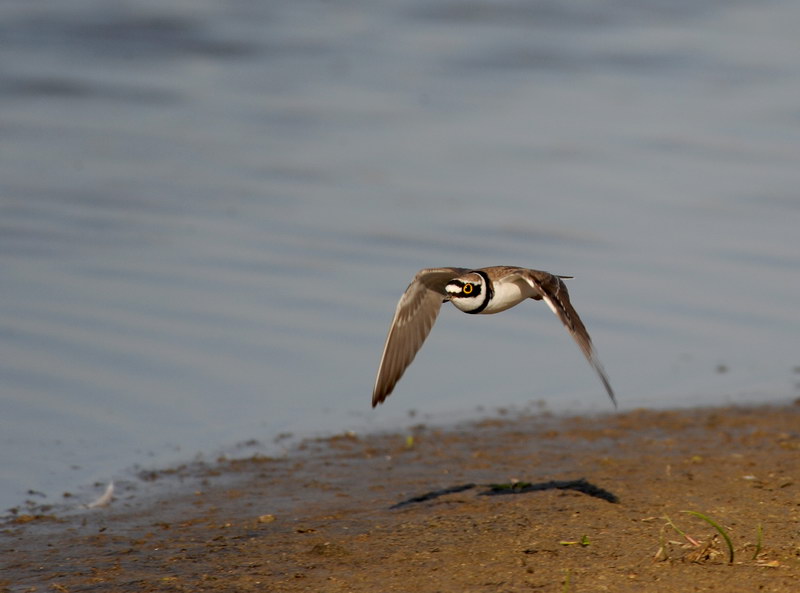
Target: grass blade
{"x":759,"y":539}
{"x":719,"y":528}
{"x":565,"y":588}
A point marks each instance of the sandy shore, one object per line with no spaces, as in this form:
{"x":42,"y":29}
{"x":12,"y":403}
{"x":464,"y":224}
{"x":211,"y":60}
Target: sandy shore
{"x":413,"y":511}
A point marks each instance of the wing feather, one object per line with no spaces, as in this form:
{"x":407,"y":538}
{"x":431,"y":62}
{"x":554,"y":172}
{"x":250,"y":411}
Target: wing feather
{"x":414,"y":317}
{"x":554,"y":292}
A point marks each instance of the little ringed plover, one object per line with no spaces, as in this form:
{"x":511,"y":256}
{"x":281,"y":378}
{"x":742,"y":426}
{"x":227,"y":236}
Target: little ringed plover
{"x":485,"y":290}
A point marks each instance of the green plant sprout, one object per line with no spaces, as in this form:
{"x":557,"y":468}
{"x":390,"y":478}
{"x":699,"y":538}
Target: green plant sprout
{"x":719,"y":529}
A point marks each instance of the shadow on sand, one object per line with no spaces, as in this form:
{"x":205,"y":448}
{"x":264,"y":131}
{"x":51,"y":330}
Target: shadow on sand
{"x":580,"y":485}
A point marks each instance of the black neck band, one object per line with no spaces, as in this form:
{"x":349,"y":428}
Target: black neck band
{"x":489,"y":293}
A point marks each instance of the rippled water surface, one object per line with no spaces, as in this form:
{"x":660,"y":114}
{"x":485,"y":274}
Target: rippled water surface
{"x":208,"y":211}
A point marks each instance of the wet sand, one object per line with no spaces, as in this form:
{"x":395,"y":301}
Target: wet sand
{"x":413,"y":511}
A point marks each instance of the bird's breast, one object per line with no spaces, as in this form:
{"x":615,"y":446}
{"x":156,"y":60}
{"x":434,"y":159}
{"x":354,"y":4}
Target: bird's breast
{"x":508,"y":294}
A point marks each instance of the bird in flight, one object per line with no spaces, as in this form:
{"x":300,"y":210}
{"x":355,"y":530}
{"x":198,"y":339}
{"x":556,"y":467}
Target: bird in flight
{"x":485,"y":290}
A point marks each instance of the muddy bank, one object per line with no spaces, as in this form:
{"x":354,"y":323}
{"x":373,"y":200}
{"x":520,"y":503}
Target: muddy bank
{"x":530,"y":503}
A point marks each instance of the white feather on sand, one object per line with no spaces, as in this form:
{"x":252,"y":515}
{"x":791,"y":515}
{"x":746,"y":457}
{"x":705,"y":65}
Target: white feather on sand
{"x":104,"y":499}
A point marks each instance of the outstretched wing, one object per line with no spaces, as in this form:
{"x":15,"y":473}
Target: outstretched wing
{"x":554,"y":292}
{"x":413,"y":319}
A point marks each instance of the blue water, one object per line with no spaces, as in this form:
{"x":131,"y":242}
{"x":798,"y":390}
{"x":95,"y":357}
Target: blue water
{"x":208,"y":211}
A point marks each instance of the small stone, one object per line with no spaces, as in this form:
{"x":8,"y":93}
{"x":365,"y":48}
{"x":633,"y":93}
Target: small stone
{"x":266,"y":518}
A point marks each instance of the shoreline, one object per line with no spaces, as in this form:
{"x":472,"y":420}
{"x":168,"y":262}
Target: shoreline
{"x":327,"y":516}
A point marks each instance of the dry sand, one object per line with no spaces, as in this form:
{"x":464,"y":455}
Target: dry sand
{"x":326,"y":516}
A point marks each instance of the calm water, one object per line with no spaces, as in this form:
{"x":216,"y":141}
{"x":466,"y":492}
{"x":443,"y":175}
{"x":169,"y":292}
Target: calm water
{"x":208,"y":211}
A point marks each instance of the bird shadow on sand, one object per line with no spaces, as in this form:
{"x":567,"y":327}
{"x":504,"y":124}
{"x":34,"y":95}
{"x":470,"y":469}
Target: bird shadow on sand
{"x":580,"y":485}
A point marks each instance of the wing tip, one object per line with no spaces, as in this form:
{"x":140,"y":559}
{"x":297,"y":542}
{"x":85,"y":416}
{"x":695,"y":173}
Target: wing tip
{"x":379,"y":394}
{"x":613,"y":397}
{"x":601,"y":372}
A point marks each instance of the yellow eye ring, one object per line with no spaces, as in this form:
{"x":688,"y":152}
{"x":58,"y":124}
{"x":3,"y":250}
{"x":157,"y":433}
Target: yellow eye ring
{"x":467,"y":289}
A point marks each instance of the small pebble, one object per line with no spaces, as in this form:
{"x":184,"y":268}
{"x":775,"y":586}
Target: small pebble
{"x":266,"y":518}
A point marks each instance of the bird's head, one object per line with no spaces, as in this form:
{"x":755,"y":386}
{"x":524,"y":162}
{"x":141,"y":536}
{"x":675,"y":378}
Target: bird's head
{"x":466,"y":292}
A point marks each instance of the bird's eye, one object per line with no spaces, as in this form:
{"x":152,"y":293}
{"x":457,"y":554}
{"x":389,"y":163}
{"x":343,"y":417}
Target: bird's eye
{"x":467,"y":289}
